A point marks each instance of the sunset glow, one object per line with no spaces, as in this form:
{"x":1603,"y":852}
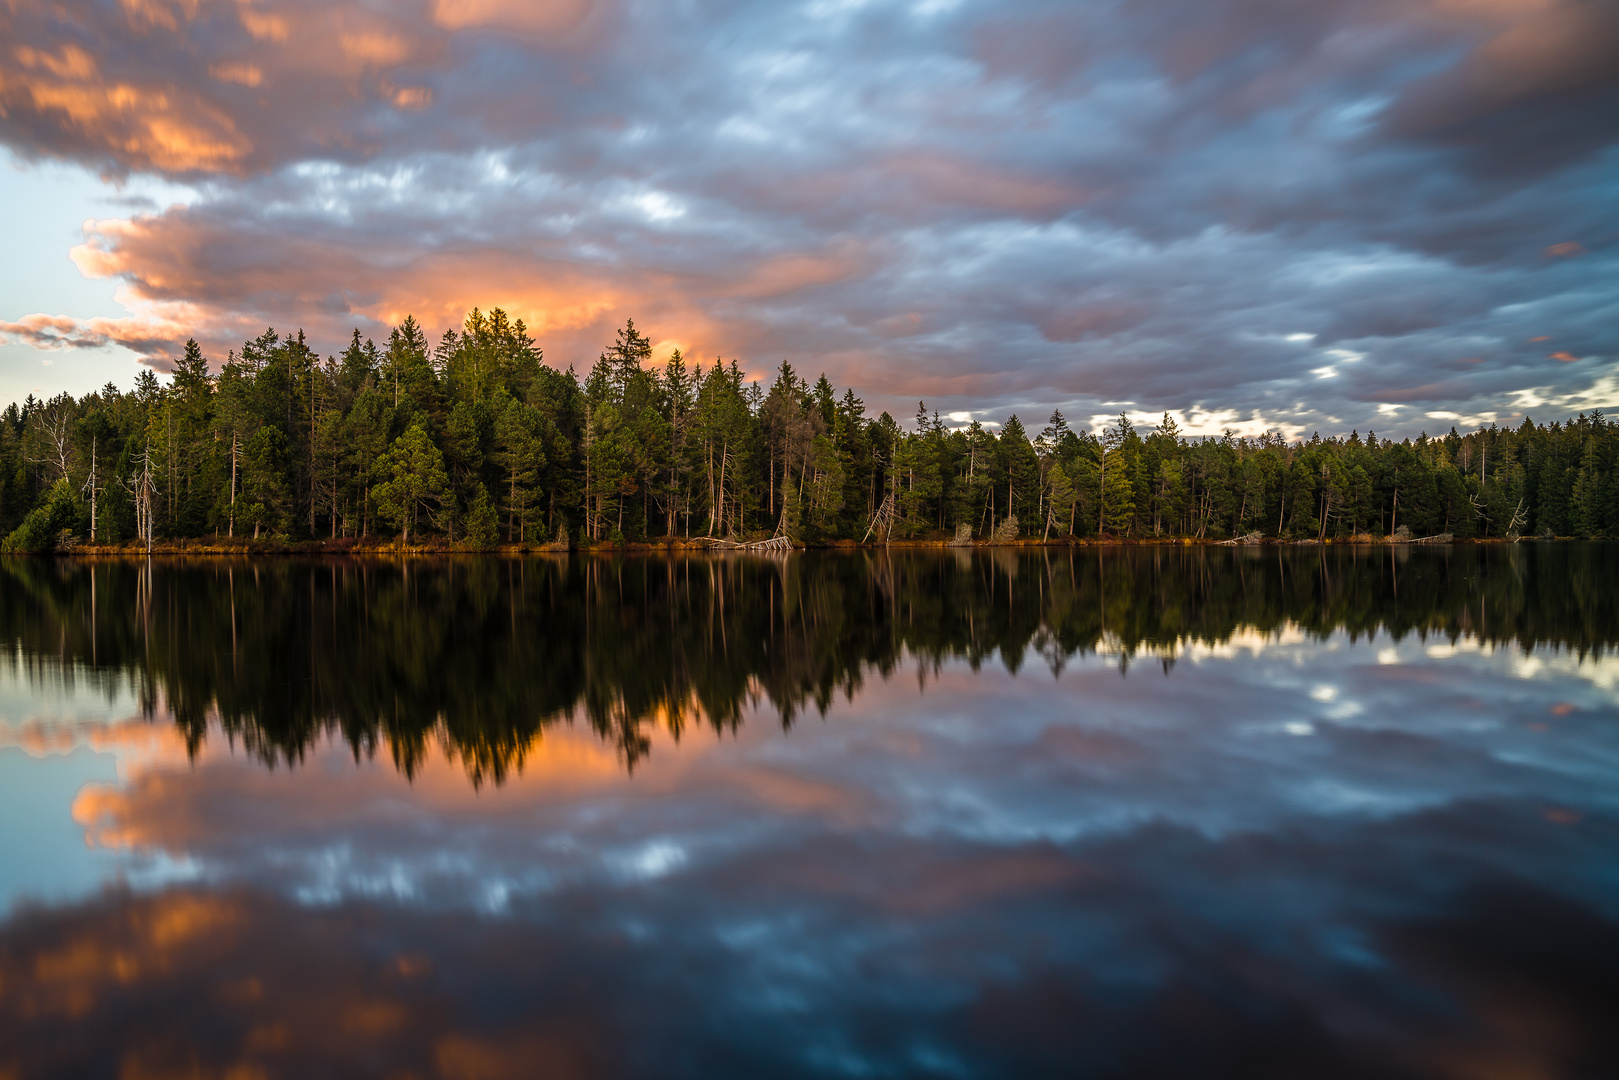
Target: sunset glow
{"x":988,"y":207}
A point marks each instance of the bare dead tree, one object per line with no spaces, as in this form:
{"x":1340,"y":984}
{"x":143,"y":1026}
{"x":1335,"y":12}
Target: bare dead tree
{"x":54,"y":448}
{"x":142,"y":486}
{"x":92,"y":487}
{"x":1520,"y":518}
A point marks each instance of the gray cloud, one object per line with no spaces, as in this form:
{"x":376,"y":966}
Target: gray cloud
{"x":990,"y":207}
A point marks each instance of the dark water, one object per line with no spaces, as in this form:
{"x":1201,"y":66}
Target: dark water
{"x":1172,"y":812}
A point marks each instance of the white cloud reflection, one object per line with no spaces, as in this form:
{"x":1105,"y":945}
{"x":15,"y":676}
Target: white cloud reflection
{"x":985,"y":758}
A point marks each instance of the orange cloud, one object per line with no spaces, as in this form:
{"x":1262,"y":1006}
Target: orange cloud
{"x":144,"y":14}
{"x":155,"y":338}
{"x":72,"y":63}
{"x":412,"y":97}
{"x":176,"y":288}
{"x":378,"y":49}
{"x":98,"y":809}
{"x":1566,"y":357}
{"x":1564,"y":250}
{"x":263,"y":981}
{"x":524,"y":16}
{"x":138,"y":744}
{"x":263,"y":26}
{"x":48,"y":332}
{"x":241,"y":74}
{"x":664,"y":348}
{"x":68,"y":978}
{"x":159,"y":94}
{"x":789,"y":273}
{"x":172,"y":128}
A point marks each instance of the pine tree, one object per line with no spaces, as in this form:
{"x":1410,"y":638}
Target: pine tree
{"x":1117,"y":497}
{"x":416,"y":482}
{"x":521,"y":453}
{"x":1022,"y":470}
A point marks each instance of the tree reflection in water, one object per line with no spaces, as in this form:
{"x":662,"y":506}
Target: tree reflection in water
{"x":482,"y":654}
{"x":1294,"y":858}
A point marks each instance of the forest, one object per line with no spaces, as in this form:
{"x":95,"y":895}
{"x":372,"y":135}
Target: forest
{"x":476,"y":442}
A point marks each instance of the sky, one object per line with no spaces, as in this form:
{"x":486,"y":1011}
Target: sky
{"x":1253,"y":214}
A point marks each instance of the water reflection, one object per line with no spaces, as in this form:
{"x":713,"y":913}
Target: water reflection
{"x":1342,"y":816}
{"x":485,"y":654}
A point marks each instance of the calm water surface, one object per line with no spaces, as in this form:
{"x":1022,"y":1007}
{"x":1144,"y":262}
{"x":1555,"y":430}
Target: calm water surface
{"x":1174,"y":812}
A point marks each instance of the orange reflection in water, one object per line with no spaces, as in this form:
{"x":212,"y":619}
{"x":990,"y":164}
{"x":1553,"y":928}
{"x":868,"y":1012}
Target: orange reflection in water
{"x":193,"y":985}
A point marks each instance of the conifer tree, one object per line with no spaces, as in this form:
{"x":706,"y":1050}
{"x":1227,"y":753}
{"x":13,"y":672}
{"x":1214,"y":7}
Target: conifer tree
{"x":416,"y":482}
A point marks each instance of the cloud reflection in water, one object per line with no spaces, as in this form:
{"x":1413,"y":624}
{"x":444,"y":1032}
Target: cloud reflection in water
{"x":1290,"y":853}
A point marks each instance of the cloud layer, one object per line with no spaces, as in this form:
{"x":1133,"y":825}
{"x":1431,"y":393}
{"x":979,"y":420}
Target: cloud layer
{"x":1324,"y":215}
{"x":1375,"y":857}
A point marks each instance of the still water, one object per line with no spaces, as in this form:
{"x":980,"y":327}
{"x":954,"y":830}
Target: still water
{"x":1133,"y":813}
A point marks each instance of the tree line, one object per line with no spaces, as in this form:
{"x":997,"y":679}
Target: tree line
{"x":476,"y":441}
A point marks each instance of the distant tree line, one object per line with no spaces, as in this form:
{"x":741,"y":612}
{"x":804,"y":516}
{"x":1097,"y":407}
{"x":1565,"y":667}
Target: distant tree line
{"x":476,"y":441}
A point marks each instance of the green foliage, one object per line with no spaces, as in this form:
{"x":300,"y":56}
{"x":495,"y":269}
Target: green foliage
{"x":1022,"y":471}
{"x":279,"y":440}
{"x":520,"y":453}
{"x":265,"y":502}
{"x":416,"y":482}
{"x":1120,"y":454}
{"x":1060,"y":500}
{"x":41,"y":531}
{"x":483,"y":528}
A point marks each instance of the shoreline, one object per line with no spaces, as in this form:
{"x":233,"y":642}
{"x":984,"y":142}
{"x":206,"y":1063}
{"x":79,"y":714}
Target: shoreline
{"x":368,"y":546}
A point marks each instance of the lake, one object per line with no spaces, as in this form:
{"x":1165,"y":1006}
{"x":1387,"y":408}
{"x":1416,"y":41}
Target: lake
{"x":1132,"y":812}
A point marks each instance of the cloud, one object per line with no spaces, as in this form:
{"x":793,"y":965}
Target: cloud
{"x":242,"y":73}
{"x":205,"y":88}
{"x":166,"y":127}
{"x":526,"y":16}
{"x":1539,"y":92}
{"x":151,"y":338}
{"x":989,"y":206}
{"x":1350,"y":836}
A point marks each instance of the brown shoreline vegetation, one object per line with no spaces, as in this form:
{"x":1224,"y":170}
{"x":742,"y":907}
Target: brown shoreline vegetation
{"x":246,"y":546}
